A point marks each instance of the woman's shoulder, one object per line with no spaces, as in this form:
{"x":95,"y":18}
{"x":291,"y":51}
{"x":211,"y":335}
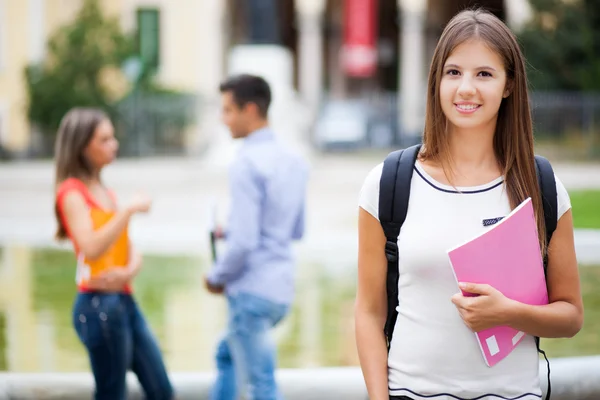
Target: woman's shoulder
{"x":371,"y":181}
{"x":72,"y":185}
{"x":562,"y":197}
{"x":68,"y":185}
{"x":369,"y":193}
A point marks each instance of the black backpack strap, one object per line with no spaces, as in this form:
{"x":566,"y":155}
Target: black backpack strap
{"x":394,"y":192}
{"x":547,"y":182}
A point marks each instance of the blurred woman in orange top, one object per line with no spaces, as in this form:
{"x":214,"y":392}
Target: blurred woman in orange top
{"x":105,"y":314}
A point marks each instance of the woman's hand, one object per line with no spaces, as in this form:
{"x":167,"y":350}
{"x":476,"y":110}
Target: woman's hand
{"x":111,"y":280}
{"x":488,"y":308}
{"x":115,"y":279}
{"x":139,"y":203}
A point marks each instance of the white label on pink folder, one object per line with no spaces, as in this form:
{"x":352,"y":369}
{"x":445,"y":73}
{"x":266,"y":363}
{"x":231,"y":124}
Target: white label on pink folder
{"x":517,"y":337}
{"x":492,"y":345}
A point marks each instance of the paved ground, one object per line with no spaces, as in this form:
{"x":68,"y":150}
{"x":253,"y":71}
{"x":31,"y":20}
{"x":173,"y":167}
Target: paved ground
{"x":184,"y":189}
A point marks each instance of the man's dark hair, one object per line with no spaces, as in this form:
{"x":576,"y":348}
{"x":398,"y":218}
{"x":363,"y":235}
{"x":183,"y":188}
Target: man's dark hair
{"x":248,"y":89}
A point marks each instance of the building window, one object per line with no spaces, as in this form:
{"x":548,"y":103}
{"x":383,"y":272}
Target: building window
{"x":148,"y":21}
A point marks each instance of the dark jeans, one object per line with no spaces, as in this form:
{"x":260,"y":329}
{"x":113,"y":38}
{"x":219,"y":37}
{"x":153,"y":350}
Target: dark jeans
{"x":117,"y":339}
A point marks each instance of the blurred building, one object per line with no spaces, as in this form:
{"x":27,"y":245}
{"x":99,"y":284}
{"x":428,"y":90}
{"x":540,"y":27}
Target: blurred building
{"x":321,"y":49}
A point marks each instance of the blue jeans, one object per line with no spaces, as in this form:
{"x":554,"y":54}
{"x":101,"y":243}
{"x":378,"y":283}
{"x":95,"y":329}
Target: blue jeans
{"x":246,"y":356}
{"x":117,"y":339}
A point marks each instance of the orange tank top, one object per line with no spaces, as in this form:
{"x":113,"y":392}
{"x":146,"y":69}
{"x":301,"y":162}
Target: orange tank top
{"x":117,"y":255}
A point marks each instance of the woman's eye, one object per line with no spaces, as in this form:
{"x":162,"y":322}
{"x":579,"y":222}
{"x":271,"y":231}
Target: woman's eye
{"x":452,"y":72}
{"x":485,"y":74}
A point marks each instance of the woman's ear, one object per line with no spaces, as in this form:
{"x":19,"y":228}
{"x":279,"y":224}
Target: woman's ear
{"x":508,"y":89}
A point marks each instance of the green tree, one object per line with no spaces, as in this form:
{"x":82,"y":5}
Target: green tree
{"x":71,"y":75}
{"x":562,"y":45}
{"x":85,"y":67}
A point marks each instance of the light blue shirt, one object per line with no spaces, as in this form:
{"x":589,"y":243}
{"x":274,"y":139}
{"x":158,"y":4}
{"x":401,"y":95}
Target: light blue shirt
{"x":268,"y":188}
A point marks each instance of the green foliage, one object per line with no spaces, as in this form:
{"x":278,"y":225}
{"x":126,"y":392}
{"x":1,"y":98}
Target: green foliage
{"x":562,"y":45}
{"x":585,"y":208}
{"x":70,"y":76}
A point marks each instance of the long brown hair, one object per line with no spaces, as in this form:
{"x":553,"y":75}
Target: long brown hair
{"x":75,"y":132}
{"x":513,"y":138}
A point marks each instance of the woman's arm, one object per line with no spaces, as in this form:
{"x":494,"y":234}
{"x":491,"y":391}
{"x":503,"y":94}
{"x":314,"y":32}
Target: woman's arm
{"x":371,"y":306}
{"x":135,"y":262}
{"x":115,"y":279}
{"x":93,"y":243}
{"x":563,"y":317}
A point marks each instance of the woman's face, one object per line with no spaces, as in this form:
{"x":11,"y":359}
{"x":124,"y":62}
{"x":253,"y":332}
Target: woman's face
{"x":103,"y":146}
{"x":472,"y":87}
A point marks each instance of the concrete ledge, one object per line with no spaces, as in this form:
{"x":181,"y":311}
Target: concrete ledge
{"x":572,"y":379}
{"x":307,"y":384}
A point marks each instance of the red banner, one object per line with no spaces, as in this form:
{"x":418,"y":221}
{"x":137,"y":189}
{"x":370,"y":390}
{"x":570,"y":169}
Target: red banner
{"x":359,"y":51}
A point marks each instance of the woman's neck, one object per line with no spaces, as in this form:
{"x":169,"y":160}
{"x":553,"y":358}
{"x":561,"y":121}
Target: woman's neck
{"x":92,"y":179}
{"x":472,"y":149}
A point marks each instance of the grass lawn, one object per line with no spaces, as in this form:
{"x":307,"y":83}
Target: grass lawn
{"x":586,"y":208}
{"x":587,"y":341}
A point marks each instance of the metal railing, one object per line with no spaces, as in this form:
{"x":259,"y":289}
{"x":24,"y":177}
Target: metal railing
{"x":150,"y":125}
{"x":568,"y":123}
{"x":564,"y":122}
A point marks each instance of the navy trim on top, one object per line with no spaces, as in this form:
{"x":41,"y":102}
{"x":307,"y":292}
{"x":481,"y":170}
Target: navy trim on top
{"x":432,"y":396}
{"x":456,"y":191}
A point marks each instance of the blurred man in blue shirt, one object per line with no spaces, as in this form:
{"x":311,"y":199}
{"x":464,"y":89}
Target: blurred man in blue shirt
{"x":268,"y":188}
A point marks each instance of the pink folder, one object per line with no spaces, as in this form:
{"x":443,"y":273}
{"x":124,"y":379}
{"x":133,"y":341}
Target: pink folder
{"x":506,"y":256}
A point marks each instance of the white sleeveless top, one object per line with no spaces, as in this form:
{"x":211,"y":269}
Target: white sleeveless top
{"x":433,"y":354}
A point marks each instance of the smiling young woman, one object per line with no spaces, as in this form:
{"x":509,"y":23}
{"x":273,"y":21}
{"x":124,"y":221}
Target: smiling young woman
{"x":477,"y":162}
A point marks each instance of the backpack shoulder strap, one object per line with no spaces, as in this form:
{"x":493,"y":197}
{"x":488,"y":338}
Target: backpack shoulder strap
{"x":394,"y":192}
{"x":547,"y":182}
{"x":394,"y":189}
